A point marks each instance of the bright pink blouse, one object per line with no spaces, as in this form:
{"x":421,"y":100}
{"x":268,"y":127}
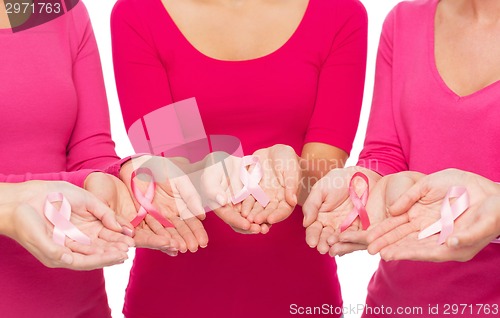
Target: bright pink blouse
{"x":53,"y":118}
{"x":417,"y":123}
{"x":309,"y":90}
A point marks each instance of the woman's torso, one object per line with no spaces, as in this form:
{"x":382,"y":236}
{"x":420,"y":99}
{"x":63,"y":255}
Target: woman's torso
{"x":262,"y":101}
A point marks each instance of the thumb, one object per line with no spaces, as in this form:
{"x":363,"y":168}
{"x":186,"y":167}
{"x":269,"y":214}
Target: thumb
{"x":397,"y":185}
{"x":313,"y":204}
{"x":291,"y":180}
{"x":407,"y":199}
{"x":481,"y":231}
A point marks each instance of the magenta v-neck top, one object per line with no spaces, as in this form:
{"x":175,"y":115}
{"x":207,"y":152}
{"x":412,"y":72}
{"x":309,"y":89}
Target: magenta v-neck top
{"x":53,"y":118}
{"x":418,"y":123}
{"x":308,"y":90}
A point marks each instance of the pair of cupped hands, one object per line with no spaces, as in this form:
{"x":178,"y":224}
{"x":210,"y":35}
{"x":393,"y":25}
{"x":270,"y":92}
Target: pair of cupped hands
{"x":399,"y":207}
{"x":184,"y":191}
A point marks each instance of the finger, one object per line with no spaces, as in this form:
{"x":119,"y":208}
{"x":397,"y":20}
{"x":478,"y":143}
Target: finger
{"x":215,"y":185}
{"x":356,"y":237}
{"x":313,"y":204}
{"x":265,"y":228}
{"x":122,"y":241}
{"x":147,"y":239}
{"x":480,"y":232}
{"x":259,"y":214}
{"x":323,"y":246}
{"x":95,"y":248}
{"x":171,"y":252}
{"x":47,"y":252}
{"x":95,"y":261}
{"x":190,"y":199}
{"x":385,"y":227}
{"x":247,"y":206}
{"x":156,"y":236}
{"x":341,"y":249}
{"x":313,"y":233}
{"x":396,"y":186}
{"x":282,"y":212}
{"x":102,"y":212}
{"x":333,"y":239}
{"x":199,"y":231}
{"x":231,"y":217}
{"x":291,"y":178}
{"x":409,"y":198}
{"x":181,"y":232}
{"x":255,"y":229}
{"x":127,"y":228}
{"x":178,"y":238}
{"x":421,"y":250}
{"x":391,"y":237}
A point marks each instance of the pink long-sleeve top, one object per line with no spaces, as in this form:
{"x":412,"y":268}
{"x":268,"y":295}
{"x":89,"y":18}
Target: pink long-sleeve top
{"x":309,"y":90}
{"x":418,"y":123}
{"x":53,"y":118}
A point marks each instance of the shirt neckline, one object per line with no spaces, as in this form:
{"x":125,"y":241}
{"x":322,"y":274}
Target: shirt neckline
{"x":433,"y":62}
{"x":280,"y":49}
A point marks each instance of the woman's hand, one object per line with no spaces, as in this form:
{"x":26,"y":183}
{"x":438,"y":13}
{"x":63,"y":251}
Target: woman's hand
{"x":149,"y":233}
{"x":220,"y":182}
{"x":328,"y":205}
{"x":384,"y":193}
{"x":397,"y":237}
{"x":33,"y":231}
{"x":280,"y":181}
{"x":175,"y":198}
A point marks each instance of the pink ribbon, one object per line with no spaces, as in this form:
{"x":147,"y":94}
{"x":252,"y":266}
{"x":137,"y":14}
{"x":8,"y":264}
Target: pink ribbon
{"x":60,"y":219}
{"x":359,"y":204}
{"x":449,"y":213}
{"x":251,"y":182}
{"x":146,"y":200}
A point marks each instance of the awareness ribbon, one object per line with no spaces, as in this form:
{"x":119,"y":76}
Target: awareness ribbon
{"x":60,"y":219}
{"x":251,"y":182}
{"x":359,"y":204}
{"x":146,"y":200}
{"x":449,"y":213}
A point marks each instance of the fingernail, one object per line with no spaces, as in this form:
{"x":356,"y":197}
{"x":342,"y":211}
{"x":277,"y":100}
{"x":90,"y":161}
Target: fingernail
{"x":170,"y":253}
{"x":169,"y":248}
{"x":67,"y":259}
{"x":203,"y":246}
{"x":127,"y":231}
{"x":295,"y":199}
{"x":220,"y":199}
{"x":453,"y":241}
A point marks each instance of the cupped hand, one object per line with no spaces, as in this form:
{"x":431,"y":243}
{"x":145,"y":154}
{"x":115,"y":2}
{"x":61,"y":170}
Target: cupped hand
{"x":397,"y":237}
{"x":149,"y":233}
{"x":280,"y":181}
{"x":220,"y":182}
{"x":328,"y":205}
{"x":175,"y":198}
{"x":34,"y":231}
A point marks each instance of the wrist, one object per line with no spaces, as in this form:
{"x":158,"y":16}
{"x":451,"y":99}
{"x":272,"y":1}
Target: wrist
{"x":132,"y":164}
{"x":12,"y":196}
{"x":6,"y":212}
{"x":496,"y":189}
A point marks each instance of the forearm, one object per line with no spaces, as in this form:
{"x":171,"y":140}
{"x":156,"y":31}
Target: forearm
{"x":76,"y":177}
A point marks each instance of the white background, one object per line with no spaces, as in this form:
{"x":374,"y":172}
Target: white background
{"x":354,"y":270}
